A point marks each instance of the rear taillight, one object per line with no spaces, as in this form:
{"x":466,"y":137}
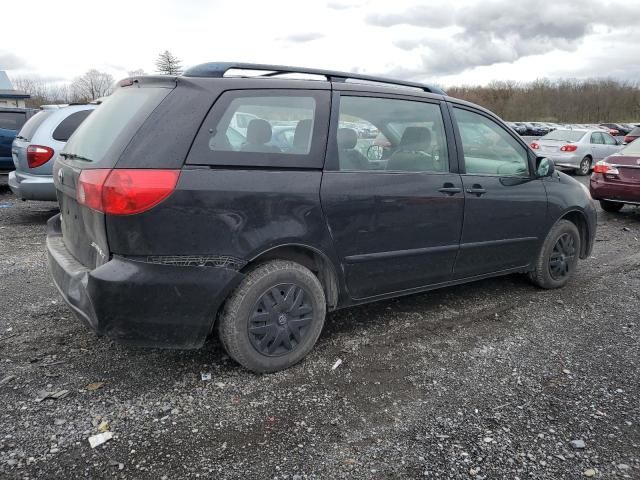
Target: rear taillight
{"x":568,"y":148}
{"x":124,"y":192}
{"x":38,"y":155}
{"x":535,"y":146}
{"x":628,"y":139}
{"x":605,"y":168}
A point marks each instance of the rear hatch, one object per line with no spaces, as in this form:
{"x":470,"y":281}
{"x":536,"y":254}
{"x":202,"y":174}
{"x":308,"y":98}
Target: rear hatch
{"x":23,"y":139}
{"x":97,"y":144}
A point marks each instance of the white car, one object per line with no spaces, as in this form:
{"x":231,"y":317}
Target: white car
{"x":576,"y":149}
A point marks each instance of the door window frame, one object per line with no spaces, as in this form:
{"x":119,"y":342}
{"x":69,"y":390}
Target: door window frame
{"x":531,"y":156}
{"x":332,"y":157}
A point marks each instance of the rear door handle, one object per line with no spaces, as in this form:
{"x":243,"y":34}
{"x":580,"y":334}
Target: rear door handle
{"x":449,"y":189}
{"x":476,"y":189}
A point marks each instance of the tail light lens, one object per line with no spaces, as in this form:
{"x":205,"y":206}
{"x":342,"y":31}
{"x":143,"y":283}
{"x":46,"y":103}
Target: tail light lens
{"x":38,"y":155}
{"x":535,"y":146}
{"x":568,"y":148}
{"x":124,"y":192}
{"x":629,"y":139}
{"x":605,"y":168}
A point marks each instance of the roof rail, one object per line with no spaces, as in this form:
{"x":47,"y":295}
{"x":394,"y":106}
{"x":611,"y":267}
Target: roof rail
{"x":218,"y":70}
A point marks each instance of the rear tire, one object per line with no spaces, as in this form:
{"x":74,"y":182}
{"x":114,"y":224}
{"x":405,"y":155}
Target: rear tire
{"x":585,"y":166}
{"x":274,"y":318}
{"x":558,"y":256}
{"x":611,"y":207}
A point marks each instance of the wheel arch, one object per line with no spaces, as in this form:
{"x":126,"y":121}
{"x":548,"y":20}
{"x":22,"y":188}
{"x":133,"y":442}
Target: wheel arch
{"x":579,"y":219}
{"x":312,"y":258}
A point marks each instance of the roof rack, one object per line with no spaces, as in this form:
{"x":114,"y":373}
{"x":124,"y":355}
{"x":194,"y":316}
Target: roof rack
{"x":218,"y":70}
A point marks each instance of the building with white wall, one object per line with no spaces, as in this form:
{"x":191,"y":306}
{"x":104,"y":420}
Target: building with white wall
{"x":9,"y":97}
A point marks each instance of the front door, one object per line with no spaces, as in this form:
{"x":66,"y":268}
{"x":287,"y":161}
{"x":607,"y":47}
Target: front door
{"x":393,"y":206}
{"x":505,"y":205}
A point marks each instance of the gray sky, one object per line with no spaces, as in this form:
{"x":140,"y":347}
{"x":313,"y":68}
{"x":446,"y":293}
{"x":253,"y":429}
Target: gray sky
{"x":461,"y":42}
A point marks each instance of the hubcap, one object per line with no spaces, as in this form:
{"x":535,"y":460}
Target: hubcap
{"x":562,"y":257}
{"x":585,"y":165}
{"x":280,"y":320}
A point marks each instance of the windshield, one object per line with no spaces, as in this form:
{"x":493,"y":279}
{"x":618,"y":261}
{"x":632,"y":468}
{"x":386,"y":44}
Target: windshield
{"x":564,"y":135}
{"x":12,"y":120}
{"x":115,"y":117}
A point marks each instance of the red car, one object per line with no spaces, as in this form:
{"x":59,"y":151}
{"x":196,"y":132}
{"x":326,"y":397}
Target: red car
{"x":632,"y":135}
{"x":616,"y":179}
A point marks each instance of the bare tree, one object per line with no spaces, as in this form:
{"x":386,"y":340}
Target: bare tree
{"x":168,"y":64}
{"x":92,"y":85}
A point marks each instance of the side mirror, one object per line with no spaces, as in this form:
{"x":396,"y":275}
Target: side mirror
{"x":374,"y":152}
{"x":546,"y":167}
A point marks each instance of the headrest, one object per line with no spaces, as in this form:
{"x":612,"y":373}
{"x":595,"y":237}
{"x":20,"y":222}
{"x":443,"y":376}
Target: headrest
{"x":302,"y":134}
{"x":258,"y":131}
{"x":347,"y":138}
{"x":416,"y":136}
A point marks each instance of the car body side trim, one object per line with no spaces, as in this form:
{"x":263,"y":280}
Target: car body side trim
{"x":398,"y":253}
{"x":497,"y":242}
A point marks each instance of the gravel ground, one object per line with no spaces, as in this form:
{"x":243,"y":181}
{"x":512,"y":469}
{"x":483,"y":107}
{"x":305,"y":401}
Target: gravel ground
{"x":489,"y":380}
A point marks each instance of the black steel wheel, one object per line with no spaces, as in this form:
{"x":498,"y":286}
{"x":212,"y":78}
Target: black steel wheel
{"x":274,"y":318}
{"x":558,"y":257}
{"x":280,"y":319}
{"x":562,"y":256}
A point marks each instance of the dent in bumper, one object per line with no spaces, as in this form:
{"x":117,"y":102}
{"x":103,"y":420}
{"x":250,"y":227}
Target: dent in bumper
{"x":140,"y":303}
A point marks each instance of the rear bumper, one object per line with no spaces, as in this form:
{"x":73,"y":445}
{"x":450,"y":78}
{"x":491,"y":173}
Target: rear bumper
{"x":140,"y":303}
{"x":618,"y":192}
{"x":566,"y":161}
{"x":32,"y":187}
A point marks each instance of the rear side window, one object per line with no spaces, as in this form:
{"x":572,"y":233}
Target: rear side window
{"x":488,"y":148}
{"x":113,"y":123}
{"x":29,"y":128}
{"x":69,"y":125}
{"x":597,"y":138}
{"x":284,"y":128}
{"x":12,"y":120}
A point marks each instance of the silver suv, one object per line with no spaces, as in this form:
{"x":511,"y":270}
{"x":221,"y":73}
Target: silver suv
{"x":37,"y":144}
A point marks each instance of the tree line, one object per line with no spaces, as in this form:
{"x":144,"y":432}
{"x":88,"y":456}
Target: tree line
{"x":93,"y":84}
{"x":563,"y":101}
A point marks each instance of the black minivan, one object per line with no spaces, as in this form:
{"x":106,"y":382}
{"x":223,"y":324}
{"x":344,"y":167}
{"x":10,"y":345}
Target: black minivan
{"x":253,"y":205}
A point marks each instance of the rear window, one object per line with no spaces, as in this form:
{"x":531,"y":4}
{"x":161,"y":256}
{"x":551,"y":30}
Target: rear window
{"x":69,"y":125}
{"x":119,"y":116}
{"x":33,"y":124}
{"x":564,"y":135}
{"x":12,"y":120}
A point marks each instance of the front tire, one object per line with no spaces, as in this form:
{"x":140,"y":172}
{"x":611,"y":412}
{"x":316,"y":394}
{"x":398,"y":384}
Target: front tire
{"x":274,"y":318}
{"x":558,"y":257}
{"x":585,"y":166}
{"x":611,"y":207}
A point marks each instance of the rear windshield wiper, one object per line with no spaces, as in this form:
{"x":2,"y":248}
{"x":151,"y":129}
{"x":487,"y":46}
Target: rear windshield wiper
{"x":73,"y":156}
{"x":21,"y":137}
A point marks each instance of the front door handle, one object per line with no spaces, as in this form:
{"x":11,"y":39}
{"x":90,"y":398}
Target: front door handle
{"x":476,"y":189}
{"x":449,"y":189}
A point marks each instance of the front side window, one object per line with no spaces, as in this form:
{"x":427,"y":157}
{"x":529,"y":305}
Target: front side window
{"x":608,"y":139}
{"x":488,"y":148}
{"x":391,"y":135}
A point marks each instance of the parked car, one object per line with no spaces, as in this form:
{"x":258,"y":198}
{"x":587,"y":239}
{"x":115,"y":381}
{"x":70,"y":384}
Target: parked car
{"x":167,"y":230}
{"x":632,"y":135}
{"x":519,"y":128}
{"x":616,"y":179}
{"x":11,"y":120}
{"x":37,"y":144}
{"x":540,"y":128}
{"x":576,"y":149}
{"x":621,"y":129}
